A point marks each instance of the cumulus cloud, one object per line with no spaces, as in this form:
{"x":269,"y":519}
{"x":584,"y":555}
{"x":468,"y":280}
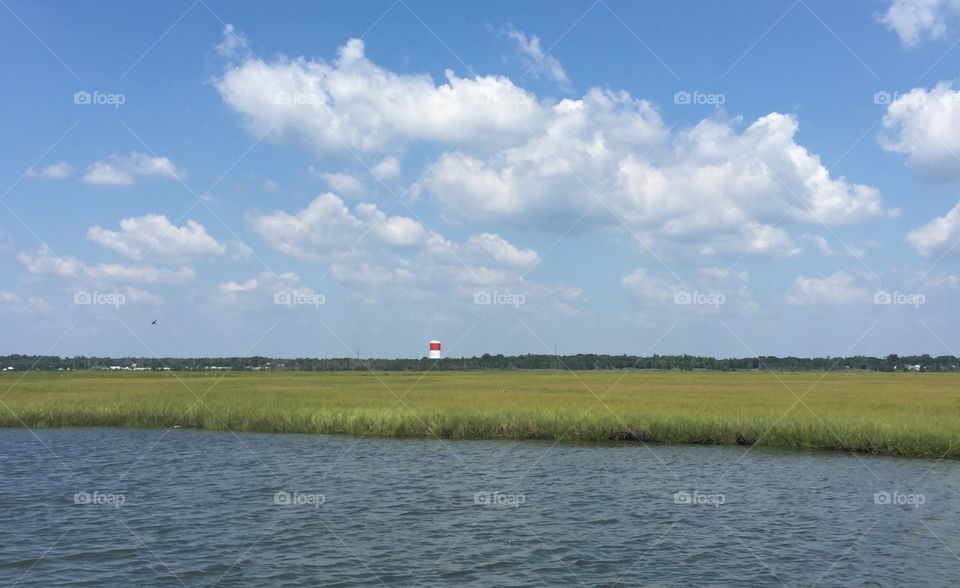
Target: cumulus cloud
{"x":914,"y":20}
{"x":940,"y":234}
{"x":55,"y":171}
{"x":726,"y":188}
{"x":233,"y":43}
{"x":153,"y":236}
{"x":352,"y":103}
{"x":605,"y":160}
{"x":44,"y":262}
{"x":388,"y":168}
{"x":502,"y":251}
{"x":533,"y":57}
{"x":343,"y":183}
{"x":122,"y":170}
{"x":924,"y":125}
{"x":837,"y":288}
{"x":326,"y":228}
{"x":320,"y":231}
{"x":369,"y":247}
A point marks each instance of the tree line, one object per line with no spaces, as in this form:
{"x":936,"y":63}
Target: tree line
{"x":582,"y":361}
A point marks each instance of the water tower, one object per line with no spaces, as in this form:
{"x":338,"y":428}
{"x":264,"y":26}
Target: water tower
{"x":434,"y":350}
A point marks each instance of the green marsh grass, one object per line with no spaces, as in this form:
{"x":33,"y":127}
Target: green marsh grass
{"x":885,"y":413}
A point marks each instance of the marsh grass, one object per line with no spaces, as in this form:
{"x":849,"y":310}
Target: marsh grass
{"x":890,"y":414}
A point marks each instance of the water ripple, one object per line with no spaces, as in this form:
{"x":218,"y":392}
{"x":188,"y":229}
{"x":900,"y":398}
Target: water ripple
{"x":124,"y":507}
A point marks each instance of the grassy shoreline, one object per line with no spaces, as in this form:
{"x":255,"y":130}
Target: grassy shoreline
{"x":912,"y":415}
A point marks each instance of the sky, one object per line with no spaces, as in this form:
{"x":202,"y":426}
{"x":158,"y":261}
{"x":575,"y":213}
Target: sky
{"x":324,"y":179}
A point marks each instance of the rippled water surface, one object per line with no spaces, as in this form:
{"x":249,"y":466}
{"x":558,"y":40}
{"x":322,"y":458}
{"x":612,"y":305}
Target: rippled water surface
{"x":102,"y":507}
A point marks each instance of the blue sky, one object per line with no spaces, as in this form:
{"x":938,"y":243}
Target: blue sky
{"x":614,"y":177}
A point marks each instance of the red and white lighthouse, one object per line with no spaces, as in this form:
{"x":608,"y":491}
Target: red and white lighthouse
{"x":434,"y":350}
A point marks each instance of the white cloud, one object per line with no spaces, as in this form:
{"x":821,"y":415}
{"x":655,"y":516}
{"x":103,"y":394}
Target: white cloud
{"x":368,"y":274}
{"x":837,"y":288}
{"x":369,"y":247}
{"x":54,"y":171}
{"x":820,"y":241}
{"x":354,"y":104}
{"x":938,"y":235}
{"x":154,"y":237}
{"x":44,"y":262}
{"x":924,"y":125}
{"x":502,"y":251}
{"x":647,"y":288}
{"x":33,"y":305}
{"x":714,"y":189}
{"x":233,"y":43}
{"x":708,"y":183}
{"x":319,"y":231}
{"x":388,"y":168}
{"x":535,"y":59}
{"x":263,"y":286}
{"x":122,"y":170}
{"x":343,"y":183}
{"x":913,"y":20}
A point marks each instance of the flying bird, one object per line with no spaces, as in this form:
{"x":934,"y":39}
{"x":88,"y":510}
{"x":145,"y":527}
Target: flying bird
{"x":154,"y":321}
